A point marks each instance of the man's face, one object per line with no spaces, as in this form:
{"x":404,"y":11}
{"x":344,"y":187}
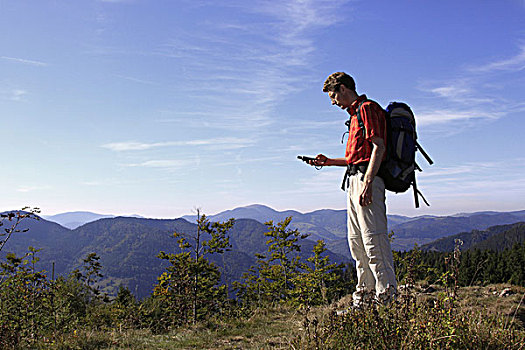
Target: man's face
{"x":340,"y":97}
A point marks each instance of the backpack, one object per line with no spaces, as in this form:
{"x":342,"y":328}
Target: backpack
{"x":398,"y":168}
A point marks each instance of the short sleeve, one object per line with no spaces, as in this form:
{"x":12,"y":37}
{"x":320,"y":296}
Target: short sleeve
{"x":374,"y":120}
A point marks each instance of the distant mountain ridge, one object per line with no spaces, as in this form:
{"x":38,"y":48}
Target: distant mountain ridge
{"x":495,"y":238}
{"x":426,"y":230}
{"x":330,"y":224}
{"x":128,"y":246}
{"x":75,"y":219}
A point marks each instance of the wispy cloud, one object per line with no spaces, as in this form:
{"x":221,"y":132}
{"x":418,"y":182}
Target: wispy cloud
{"x":136,"y":80}
{"x":462,"y":91}
{"x":471,"y":96}
{"x":91,"y":183}
{"x":115,"y":1}
{"x":448,"y":115}
{"x":515,"y":63}
{"x":223,"y":143}
{"x":24,"y":61}
{"x":255,"y":63}
{"x":163,"y":163}
{"x":16,"y":95}
{"x":25,"y":189}
{"x":475,"y":175}
{"x":450,"y":91}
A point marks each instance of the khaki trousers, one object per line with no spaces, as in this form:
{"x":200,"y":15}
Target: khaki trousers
{"x":369,"y":244}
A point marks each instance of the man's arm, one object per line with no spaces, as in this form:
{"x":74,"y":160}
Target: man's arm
{"x":378,"y":150}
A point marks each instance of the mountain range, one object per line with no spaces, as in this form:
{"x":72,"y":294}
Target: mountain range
{"x":497,"y":238}
{"x":128,"y":246}
{"x":75,"y":219}
{"x":330,"y":225}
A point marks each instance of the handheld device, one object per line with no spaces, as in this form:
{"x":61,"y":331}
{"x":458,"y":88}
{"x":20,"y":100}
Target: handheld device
{"x":305,"y":159}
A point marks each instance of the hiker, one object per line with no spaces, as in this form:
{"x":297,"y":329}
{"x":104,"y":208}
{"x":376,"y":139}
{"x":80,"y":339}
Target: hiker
{"x":366,"y":209}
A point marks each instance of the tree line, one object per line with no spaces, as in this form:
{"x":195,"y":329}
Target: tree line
{"x":36,"y":307}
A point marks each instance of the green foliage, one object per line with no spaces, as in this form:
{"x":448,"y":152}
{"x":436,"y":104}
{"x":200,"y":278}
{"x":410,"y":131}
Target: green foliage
{"x":420,"y":324}
{"x":125,"y":310}
{"x":24,"y":299}
{"x":272,"y":279}
{"x":189,"y":289}
{"x":71,"y":312}
{"x":70,"y":303}
{"x":477,"y":267}
{"x":14,"y":218}
{"x":90,"y":274}
{"x":315,"y":284}
{"x":281,"y":276}
{"x":415,"y":322}
{"x":34,"y":308}
{"x":411,"y":267}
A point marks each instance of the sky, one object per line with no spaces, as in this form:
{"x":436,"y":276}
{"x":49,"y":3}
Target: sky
{"x":157,"y":108}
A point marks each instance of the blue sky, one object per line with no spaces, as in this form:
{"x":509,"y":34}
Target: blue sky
{"x":158,"y":107}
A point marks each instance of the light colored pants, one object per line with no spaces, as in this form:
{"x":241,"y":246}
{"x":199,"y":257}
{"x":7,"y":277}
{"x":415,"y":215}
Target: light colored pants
{"x":369,"y":244}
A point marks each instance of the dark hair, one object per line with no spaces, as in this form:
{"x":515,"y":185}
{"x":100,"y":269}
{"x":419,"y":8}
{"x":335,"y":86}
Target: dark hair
{"x":335,"y":80}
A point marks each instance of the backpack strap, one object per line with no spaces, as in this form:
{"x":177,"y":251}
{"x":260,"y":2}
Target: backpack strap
{"x":418,"y":193}
{"x":359,"y":121}
{"x":427,"y":157}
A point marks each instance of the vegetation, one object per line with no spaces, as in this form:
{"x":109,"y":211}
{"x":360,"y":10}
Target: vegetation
{"x":477,"y":267}
{"x":189,"y":289}
{"x":13,"y":219}
{"x":284,"y":300}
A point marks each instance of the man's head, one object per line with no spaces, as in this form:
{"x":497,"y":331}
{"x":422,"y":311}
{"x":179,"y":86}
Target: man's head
{"x":341,"y":89}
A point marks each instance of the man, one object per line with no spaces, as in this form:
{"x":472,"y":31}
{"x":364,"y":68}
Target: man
{"x":367,"y":224}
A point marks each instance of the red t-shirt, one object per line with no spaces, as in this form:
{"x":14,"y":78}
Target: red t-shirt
{"x":359,"y":147}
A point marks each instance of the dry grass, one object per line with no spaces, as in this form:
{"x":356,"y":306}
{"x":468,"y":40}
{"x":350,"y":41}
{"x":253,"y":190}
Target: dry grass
{"x":284,"y":327}
{"x":270,"y":328}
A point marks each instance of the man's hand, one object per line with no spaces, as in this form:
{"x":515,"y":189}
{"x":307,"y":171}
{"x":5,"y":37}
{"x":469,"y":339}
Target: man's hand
{"x":378,"y":150}
{"x":365,"y":198}
{"x":320,"y":160}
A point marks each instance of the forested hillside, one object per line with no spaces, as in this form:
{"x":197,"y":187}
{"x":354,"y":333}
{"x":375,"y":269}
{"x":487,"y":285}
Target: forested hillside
{"x":493,"y":238}
{"x":286,"y":278}
{"x":128,"y":248}
{"x":330,"y":225}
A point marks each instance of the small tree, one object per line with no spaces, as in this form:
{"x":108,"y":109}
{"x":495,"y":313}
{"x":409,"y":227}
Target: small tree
{"x":125,"y":309}
{"x":90,"y":275}
{"x":24,"y":296}
{"x":312,"y":285}
{"x":272,"y":279}
{"x":190,"y":283}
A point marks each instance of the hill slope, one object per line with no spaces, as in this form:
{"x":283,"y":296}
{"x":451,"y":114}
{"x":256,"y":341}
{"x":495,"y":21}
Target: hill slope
{"x":494,"y":238}
{"x":330,"y":225}
{"x":128,"y":248}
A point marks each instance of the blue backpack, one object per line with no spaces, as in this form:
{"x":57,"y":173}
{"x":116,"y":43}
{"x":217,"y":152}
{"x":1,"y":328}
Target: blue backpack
{"x":398,"y":168}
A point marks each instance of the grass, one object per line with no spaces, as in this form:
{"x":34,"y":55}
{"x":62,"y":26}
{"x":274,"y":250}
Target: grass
{"x":265,"y":329}
{"x":481,"y":319}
